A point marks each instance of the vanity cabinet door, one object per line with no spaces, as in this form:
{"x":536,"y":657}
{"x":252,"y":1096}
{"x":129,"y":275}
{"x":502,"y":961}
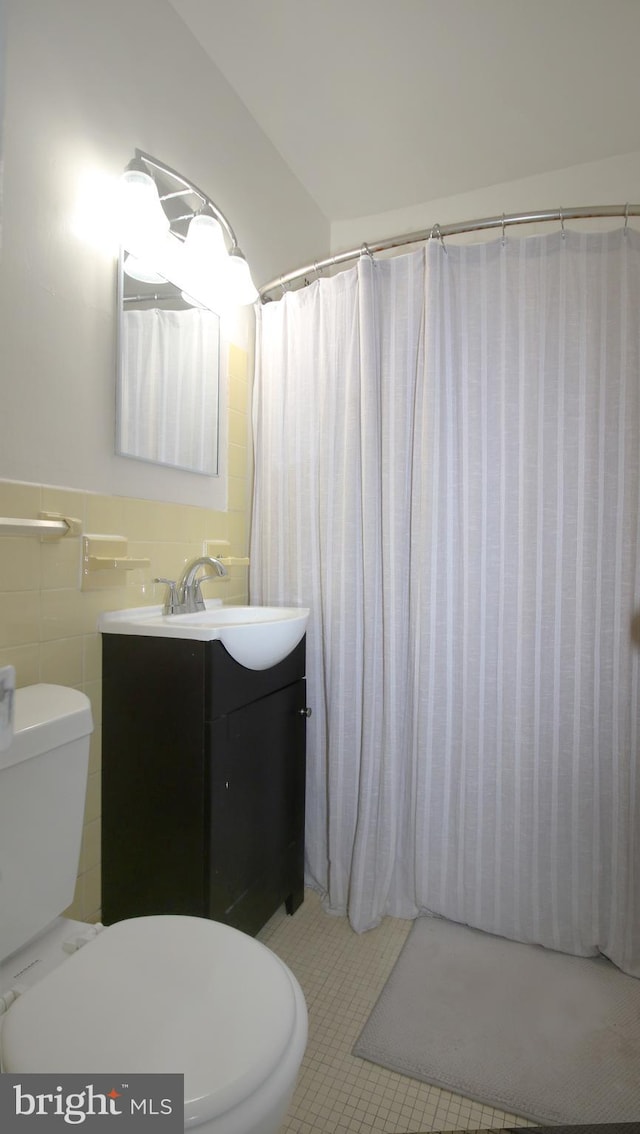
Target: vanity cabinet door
{"x":256,"y":808}
{"x":153,"y":778}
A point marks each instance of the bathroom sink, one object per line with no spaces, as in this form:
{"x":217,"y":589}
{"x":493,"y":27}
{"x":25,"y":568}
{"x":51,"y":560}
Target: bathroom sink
{"x":255,"y":636}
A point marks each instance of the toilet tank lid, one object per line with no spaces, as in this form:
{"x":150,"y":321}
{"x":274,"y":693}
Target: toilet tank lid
{"x":45,"y":717}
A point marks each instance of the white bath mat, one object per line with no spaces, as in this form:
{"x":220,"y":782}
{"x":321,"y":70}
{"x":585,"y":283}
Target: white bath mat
{"x":536,"y":1033}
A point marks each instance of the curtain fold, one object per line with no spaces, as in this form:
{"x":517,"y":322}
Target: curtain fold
{"x":447,"y":473}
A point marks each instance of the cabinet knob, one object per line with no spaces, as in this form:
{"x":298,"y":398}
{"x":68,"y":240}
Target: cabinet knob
{"x":305,"y":712}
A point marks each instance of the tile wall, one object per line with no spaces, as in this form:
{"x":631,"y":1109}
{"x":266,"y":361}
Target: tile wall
{"x":48,"y":624}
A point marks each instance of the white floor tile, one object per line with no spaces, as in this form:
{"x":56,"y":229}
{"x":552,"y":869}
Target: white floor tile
{"x":342,"y":974}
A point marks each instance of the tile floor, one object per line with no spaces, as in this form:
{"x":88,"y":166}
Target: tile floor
{"x":341,"y":974}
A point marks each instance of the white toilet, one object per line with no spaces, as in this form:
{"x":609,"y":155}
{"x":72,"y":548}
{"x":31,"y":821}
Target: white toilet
{"x":151,"y":994}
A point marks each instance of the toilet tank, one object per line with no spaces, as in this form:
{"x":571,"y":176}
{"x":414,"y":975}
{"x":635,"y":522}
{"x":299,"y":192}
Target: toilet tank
{"x":43,"y":780}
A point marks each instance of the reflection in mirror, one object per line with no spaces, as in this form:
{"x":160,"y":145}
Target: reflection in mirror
{"x":168,"y":375}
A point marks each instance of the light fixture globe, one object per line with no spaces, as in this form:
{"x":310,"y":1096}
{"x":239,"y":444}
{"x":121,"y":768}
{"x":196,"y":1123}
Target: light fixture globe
{"x":204,"y":262}
{"x":143,"y":221}
{"x":204,"y":244}
{"x":139,"y":270}
{"x":241,"y":289}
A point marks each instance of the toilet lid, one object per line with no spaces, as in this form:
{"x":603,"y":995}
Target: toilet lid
{"x":160,"y":994}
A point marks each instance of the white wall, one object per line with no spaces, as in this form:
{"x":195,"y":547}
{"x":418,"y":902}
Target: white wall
{"x":612,"y":181}
{"x":88,"y":81}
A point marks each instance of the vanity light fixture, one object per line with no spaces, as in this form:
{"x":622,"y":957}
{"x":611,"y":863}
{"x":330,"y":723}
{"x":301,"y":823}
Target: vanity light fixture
{"x":172,"y":231}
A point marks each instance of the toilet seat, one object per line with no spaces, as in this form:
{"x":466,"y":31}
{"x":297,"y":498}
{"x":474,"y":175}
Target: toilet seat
{"x":161,"y":994}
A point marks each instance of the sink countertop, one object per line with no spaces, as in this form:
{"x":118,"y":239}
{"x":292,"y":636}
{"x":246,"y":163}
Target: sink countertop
{"x":255,"y":636}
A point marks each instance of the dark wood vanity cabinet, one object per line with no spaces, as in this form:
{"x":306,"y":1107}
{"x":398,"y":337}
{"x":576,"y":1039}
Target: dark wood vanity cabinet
{"x":203,"y":782}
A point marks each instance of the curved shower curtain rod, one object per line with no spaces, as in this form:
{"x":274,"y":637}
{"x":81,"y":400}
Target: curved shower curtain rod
{"x":440,"y":231}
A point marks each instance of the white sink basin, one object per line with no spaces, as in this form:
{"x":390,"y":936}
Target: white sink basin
{"x":256,"y":636}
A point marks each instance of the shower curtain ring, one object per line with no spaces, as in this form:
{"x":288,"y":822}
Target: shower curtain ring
{"x":504,"y":235}
{"x":626,"y":218}
{"x":562,"y":223}
{"x":435,"y":231}
{"x":366,"y":251}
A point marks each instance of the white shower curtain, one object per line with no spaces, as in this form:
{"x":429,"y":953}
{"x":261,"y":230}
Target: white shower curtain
{"x":447,"y":473}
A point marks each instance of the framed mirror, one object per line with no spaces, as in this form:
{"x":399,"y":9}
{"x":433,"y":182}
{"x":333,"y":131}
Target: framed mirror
{"x":168,"y":368}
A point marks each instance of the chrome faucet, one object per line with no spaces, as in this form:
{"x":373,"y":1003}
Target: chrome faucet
{"x":189,"y":595}
{"x":185,"y":596}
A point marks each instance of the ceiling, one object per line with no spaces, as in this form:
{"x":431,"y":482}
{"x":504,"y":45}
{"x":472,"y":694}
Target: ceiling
{"x":380,"y":104}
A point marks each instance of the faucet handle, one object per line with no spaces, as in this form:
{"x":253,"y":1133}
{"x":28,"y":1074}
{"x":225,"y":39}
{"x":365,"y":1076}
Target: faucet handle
{"x":171,"y":605}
